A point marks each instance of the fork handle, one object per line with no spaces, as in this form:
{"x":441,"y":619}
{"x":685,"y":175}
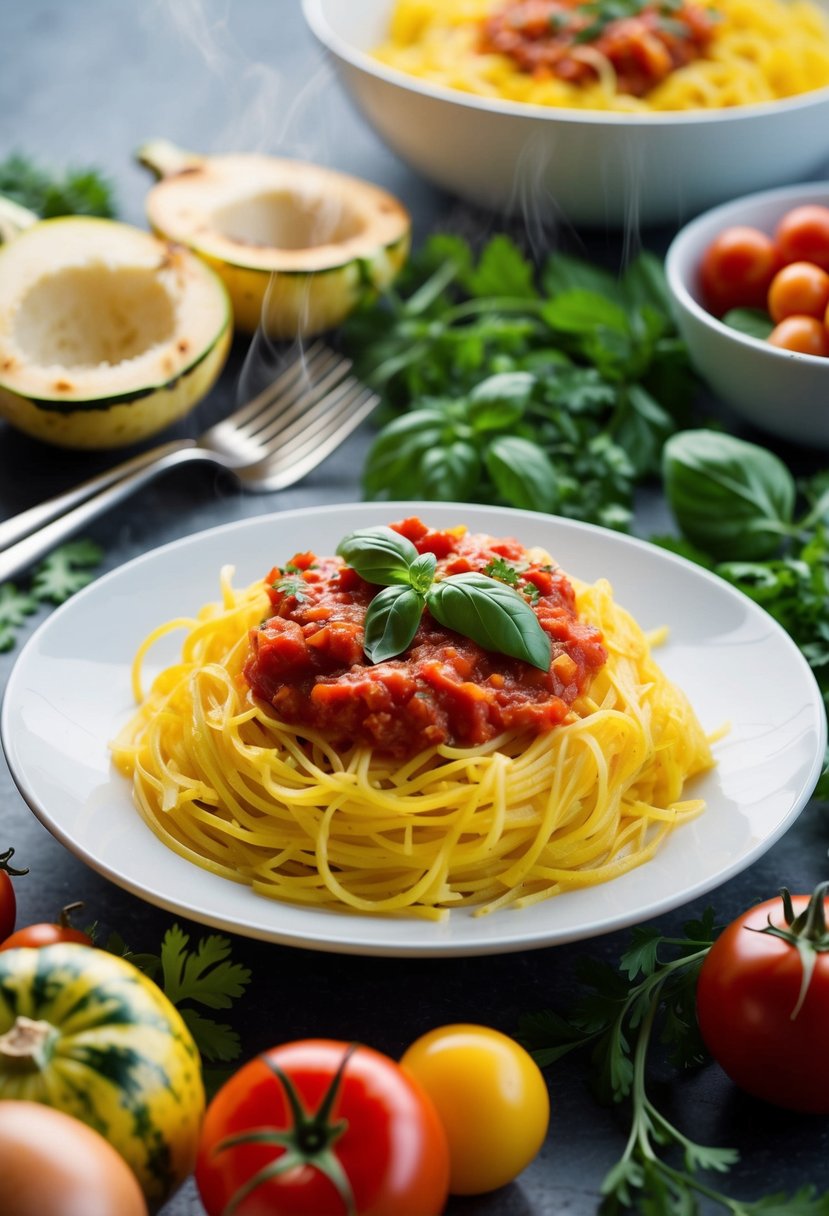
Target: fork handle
{"x":26,"y":522}
{"x":18,"y":556}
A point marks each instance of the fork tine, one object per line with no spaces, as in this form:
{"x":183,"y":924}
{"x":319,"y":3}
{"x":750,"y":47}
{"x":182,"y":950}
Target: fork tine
{"x":289,"y":466}
{"x":313,"y":407}
{"x":288,"y":415}
{"x":322,"y":425}
{"x":313,"y":362}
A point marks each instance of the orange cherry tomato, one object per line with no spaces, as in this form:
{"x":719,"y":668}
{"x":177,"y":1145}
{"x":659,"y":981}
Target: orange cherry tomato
{"x":802,"y":235}
{"x":801,"y":288}
{"x":806,"y":335}
{"x":47,"y":934}
{"x":737,"y":269}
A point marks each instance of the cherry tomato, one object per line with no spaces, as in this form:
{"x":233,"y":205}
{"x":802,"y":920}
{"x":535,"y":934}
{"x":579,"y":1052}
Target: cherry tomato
{"x":53,"y":1165}
{"x":799,"y":288}
{"x":805,"y":335}
{"x":762,"y":1014}
{"x":47,"y":934}
{"x":492,"y":1100}
{"x":361,"y":1136}
{"x":802,"y":235}
{"x":8,"y":903}
{"x":737,"y":269}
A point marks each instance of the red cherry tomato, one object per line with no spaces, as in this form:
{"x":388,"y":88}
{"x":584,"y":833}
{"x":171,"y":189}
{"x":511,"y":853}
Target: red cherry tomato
{"x":47,"y":934}
{"x":737,"y":269}
{"x":762,"y":1015}
{"x":801,"y":288}
{"x":361,"y":1135}
{"x":805,"y":335}
{"x":802,"y":235}
{"x":8,"y":902}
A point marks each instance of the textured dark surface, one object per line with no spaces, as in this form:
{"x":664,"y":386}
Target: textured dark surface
{"x":87,"y":82}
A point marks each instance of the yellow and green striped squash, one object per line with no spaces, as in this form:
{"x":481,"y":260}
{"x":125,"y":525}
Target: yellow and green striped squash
{"x":86,"y":1032}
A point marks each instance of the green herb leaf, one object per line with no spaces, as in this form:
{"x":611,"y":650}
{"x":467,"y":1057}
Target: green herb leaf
{"x":754,"y":322}
{"x":391,"y":622}
{"x":15,"y":606}
{"x":379,"y":555}
{"x":522,"y":473}
{"x":66,"y":570}
{"x":731,"y":498}
{"x":215,"y":1040}
{"x":491,"y":614}
{"x":49,"y":193}
{"x":204,"y":975}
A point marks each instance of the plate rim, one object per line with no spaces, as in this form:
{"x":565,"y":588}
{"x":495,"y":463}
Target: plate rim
{"x":359,"y":944}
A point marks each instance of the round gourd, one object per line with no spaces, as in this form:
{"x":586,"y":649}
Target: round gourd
{"x":107,"y":334}
{"x":87,"y":1033}
{"x":298,"y":246}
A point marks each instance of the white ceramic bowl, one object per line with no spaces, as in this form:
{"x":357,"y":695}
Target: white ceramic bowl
{"x":590,"y":168}
{"x":784,"y":393}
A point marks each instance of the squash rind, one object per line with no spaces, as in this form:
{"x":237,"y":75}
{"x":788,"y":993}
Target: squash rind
{"x":122,"y":1061}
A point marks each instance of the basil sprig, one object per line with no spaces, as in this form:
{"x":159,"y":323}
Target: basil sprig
{"x":481,"y":608}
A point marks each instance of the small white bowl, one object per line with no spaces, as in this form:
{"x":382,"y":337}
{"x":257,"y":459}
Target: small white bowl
{"x":585,"y":167}
{"x":782,"y":392}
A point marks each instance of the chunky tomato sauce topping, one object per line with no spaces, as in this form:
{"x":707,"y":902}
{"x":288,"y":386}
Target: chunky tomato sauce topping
{"x":563,"y":38}
{"x":307,"y":659}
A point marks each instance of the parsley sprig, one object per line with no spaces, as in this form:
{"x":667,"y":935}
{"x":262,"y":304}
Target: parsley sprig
{"x":50,"y":192}
{"x":552,"y":391}
{"x":652,"y":992}
{"x":205,"y":977}
{"x":61,"y":573}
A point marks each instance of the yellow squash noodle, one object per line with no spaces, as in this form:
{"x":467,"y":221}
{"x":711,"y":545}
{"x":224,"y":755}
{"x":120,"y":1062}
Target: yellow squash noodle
{"x":761,"y":51}
{"x":515,"y":821}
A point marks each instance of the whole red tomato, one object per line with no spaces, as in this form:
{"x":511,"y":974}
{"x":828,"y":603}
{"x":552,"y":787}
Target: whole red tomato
{"x":8,"y":903}
{"x":322,"y":1128}
{"x":48,"y":933}
{"x":763,"y":1001}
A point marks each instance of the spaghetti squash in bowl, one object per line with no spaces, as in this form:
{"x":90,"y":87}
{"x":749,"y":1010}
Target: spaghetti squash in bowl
{"x":733,"y":97}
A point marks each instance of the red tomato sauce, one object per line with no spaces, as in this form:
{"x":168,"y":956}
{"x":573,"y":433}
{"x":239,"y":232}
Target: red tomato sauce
{"x":307,"y":659}
{"x":549,"y":37}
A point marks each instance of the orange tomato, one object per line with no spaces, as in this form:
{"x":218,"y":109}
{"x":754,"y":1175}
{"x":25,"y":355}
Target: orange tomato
{"x":737,"y":269}
{"x":802,"y":235}
{"x":806,"y":335}
{"x":801,"y":288}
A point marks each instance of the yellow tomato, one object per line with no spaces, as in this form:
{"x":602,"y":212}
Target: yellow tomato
{"x":491,"y":1098}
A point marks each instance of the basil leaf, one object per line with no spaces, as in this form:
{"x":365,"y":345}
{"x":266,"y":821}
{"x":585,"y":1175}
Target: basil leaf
{"x":379,"y":555}
{"x":731,"y":498}
{"x":753,"y":322}
{"x":522,"y":473}
{"x":398,"y":449}
{"x":491,"y":614}
{"x":450,"y":473}
{"x":583,"y":312}
{"x":391,"y":622}
{"x":422,"y":572}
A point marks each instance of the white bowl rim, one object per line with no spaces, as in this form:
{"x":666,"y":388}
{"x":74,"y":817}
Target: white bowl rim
{"x":313,"y":12}
{"x":728,"y":212}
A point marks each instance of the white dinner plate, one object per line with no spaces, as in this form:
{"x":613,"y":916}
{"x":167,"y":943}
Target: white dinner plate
{"x":69,"y":692}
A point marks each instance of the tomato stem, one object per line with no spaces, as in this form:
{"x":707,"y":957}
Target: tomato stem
{"x":806,"y":931}
{"x":5,"y":858}
{"x":307,"y":1141}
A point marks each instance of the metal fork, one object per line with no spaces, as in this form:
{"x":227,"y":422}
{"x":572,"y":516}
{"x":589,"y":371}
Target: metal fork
{"x":269,"y":444}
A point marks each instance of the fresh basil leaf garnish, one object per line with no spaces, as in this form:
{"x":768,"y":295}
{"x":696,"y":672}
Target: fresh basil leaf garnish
{"x":379,"y":555}
{"x":422,"y":572}
{"x":391,"y":622}
{"x":491,"y":614}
